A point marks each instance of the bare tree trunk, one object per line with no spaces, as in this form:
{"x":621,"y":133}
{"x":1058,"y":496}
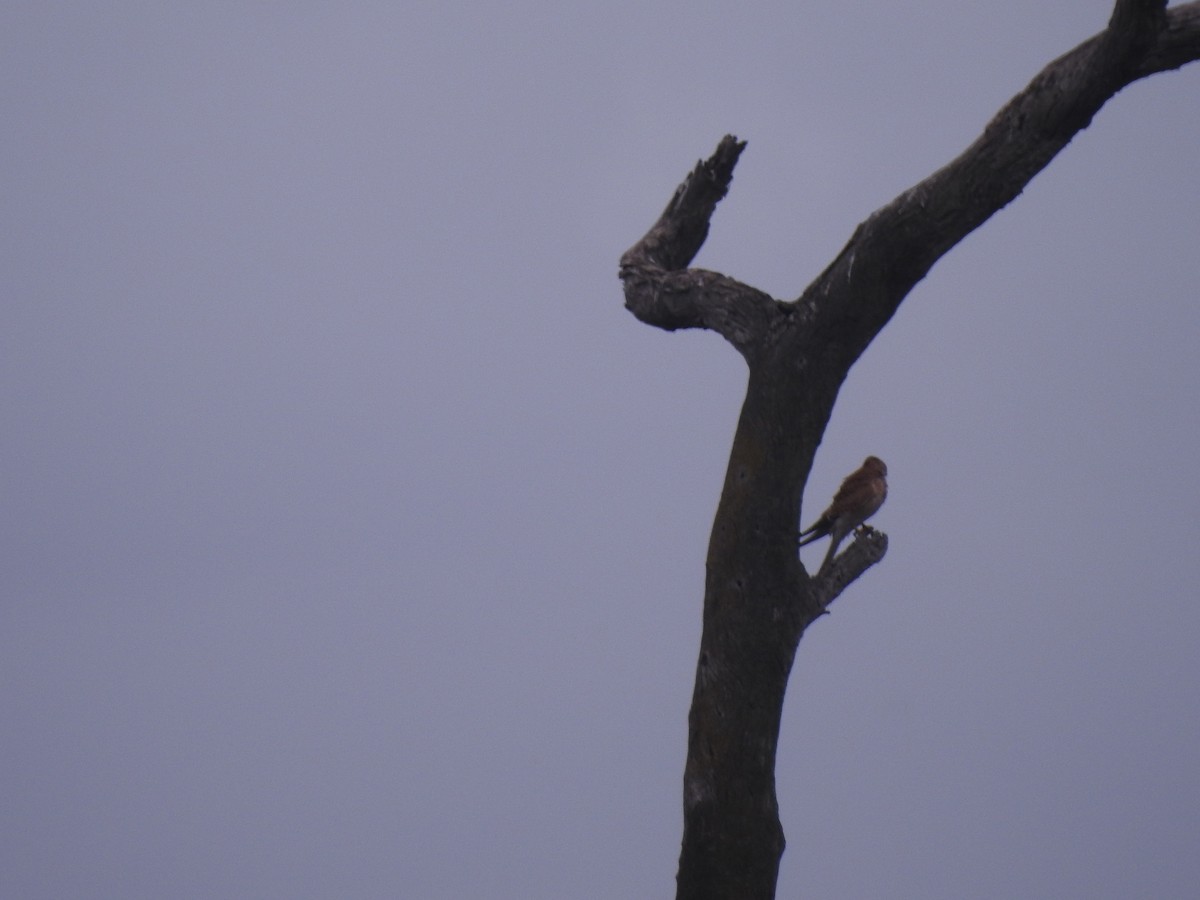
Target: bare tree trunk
{"x":758,"y":597}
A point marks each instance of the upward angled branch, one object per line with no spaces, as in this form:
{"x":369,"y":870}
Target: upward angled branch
{"x":660,"y":291}
{"x":899,"y":243}
{"x":680,"y":231}
{"x":1135,"y":21}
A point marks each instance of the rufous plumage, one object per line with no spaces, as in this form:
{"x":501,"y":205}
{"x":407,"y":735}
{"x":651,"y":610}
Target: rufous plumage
{"x":859,"y":498}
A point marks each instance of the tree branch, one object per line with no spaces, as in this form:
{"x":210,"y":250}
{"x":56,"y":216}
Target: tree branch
{"x":675,"y":239}
{"x":661,"y":292}
{"x":1178,"y":43}
{"x":869,"y":547}
{"x":757,"y":598}
{"x":899,"y":243}
{"x":1136,"y":17}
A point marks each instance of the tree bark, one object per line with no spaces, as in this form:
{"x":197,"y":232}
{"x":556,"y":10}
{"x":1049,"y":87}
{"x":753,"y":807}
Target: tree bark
{"x":759,"y":599}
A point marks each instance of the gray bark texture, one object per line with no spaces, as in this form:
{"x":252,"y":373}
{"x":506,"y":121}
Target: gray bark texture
{"x":758,"y":597}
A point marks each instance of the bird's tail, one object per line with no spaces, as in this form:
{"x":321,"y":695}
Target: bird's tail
{"x":814,"y":532}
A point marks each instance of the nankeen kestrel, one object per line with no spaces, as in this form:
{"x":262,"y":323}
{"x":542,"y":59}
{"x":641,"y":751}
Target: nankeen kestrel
{"x":859,"y":498}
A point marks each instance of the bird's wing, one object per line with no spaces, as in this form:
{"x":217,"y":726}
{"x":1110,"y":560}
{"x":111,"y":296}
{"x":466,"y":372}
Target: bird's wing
{"x":861,"y":500}
{"x":856,"y":486}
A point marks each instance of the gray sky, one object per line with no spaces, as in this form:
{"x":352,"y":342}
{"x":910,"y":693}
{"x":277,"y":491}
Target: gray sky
{"x":353,"y":533}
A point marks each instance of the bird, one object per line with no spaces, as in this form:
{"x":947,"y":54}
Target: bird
{"x":859,"y":498}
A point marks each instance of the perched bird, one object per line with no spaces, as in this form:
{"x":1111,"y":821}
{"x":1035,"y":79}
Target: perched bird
{"x":859,"y":498}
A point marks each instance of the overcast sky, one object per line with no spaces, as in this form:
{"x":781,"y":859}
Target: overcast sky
{"x":353,"y":533}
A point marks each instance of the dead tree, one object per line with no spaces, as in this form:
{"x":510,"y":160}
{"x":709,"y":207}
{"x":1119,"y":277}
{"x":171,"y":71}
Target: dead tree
{"x":758,"y":598}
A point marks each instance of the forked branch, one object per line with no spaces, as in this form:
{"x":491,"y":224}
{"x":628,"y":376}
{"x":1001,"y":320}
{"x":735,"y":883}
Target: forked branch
{"x":661,"y":291}
{"x":758,"y":597}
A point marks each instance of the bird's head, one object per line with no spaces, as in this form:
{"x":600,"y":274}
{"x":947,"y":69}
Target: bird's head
{"x":876,"y":465}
